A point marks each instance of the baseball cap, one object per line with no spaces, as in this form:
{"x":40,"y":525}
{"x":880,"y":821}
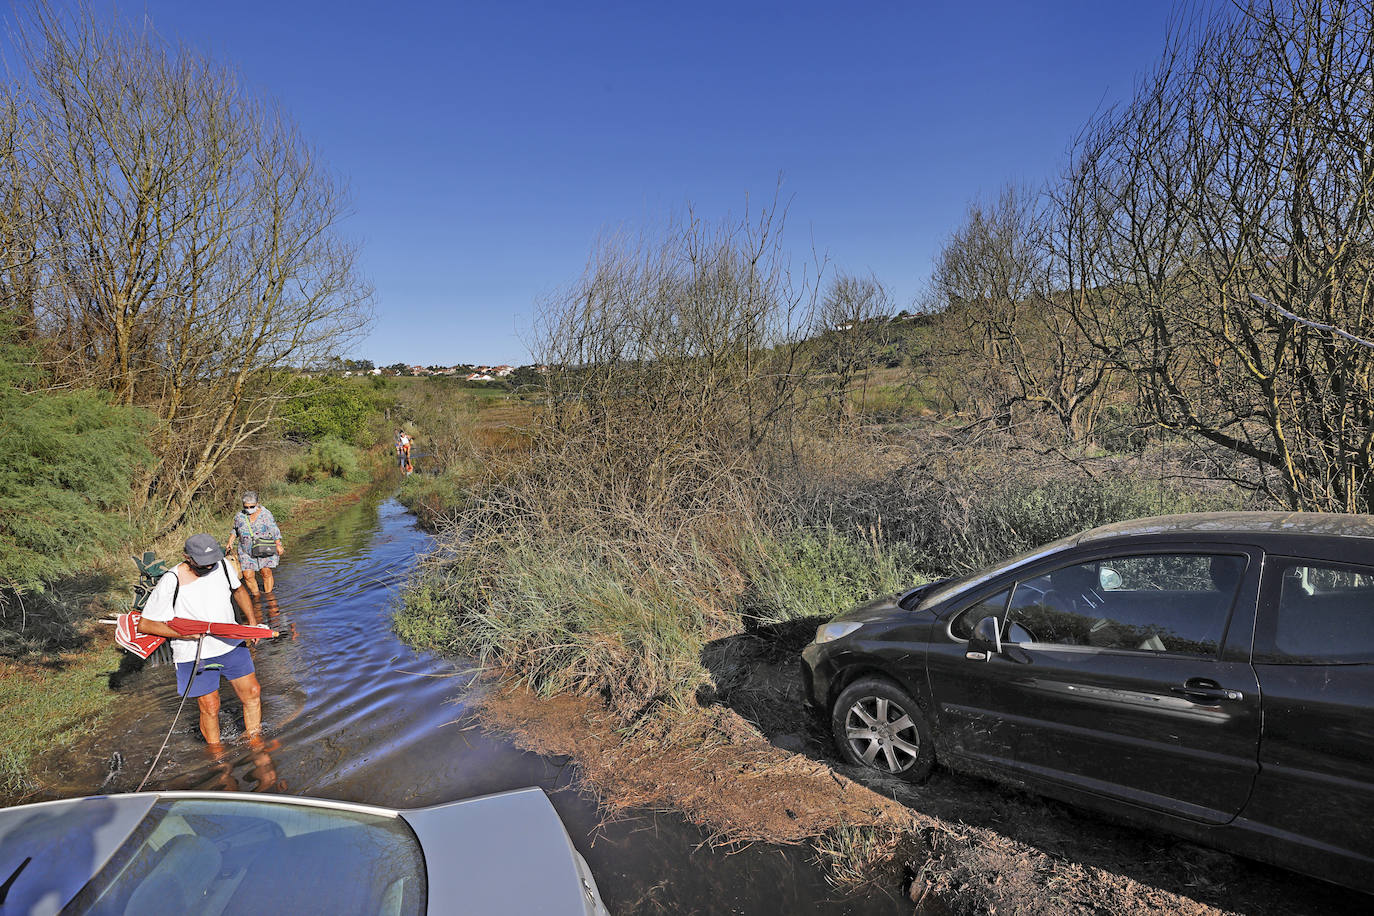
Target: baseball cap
{"x":203,"y":549}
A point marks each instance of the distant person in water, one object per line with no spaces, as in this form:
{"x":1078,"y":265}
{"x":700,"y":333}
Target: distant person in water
{"x":259,"y":543}
{"x":205,"y":588}
{"x":405,"y":449}
{"x":400,"y":458}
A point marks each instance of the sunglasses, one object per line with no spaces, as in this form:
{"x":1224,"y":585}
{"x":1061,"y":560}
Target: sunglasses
{"x":248,"y":506}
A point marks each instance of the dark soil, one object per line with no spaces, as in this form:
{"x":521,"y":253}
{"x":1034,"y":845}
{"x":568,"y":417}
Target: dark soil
{"x":747,"y":762}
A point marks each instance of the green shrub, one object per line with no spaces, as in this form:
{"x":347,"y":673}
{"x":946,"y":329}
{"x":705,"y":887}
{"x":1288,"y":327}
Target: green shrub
{"x":807,"y":572}
{"x":67,"y":463}
{"x":568,"y":614}
{"x":436,"y":500}
{"x":330,"y":407}
{"x":957,"y":518}
{"x":327,"y":458}
{"x":564,"y":613}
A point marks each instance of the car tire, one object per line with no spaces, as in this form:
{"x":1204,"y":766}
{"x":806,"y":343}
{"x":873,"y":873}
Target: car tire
{"x":877,"y":725}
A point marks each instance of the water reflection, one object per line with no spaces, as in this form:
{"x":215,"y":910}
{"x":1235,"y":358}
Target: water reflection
{"x":255,"y":768}
{"x":270,"y":613}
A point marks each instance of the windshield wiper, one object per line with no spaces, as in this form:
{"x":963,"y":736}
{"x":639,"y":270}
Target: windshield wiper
{"x":9,"y":882}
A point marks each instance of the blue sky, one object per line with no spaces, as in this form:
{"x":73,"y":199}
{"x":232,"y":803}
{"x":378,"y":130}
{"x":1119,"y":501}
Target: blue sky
{"x":488,"y":145}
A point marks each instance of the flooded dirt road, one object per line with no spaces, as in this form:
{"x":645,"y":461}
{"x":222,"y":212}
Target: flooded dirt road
{"x":350,"y":712}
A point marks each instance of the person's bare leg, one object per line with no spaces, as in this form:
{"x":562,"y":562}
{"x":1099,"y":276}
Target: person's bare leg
{"x":250,"y":580}
{"x":267,"y":580}
{"x":209,"y":717}
{"x":250,"y":695}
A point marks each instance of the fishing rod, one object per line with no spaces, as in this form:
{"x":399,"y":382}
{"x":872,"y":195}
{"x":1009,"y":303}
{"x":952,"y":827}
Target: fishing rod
{"x":190,"y":680}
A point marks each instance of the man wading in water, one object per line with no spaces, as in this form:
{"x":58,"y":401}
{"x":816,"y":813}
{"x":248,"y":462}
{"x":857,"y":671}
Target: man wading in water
{"x":204,"y":588}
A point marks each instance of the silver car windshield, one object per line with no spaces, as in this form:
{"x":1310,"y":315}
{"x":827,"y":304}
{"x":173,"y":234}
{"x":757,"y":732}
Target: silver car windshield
{"x":939,"y":595}
{"x":211,"y":856}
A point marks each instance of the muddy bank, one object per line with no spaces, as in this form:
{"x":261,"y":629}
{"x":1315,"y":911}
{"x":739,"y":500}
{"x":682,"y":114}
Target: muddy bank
{"x":749,"y":765}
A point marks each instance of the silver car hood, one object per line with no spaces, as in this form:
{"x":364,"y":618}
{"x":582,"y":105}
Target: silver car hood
{"x":503,"y":853}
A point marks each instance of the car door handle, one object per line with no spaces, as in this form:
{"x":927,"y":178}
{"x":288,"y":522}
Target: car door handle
{"x":1206,"y":692}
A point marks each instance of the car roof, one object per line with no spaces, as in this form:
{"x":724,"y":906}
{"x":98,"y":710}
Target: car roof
{"x":1221,"y":525}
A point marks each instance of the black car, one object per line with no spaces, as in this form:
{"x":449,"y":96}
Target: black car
{"x":1209,"y":674}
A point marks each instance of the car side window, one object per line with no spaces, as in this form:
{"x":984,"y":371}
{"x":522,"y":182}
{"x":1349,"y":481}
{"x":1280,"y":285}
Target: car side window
{"x":1324,"y":616}
{"x":1174,"y":603}
{"x":995,"y":606}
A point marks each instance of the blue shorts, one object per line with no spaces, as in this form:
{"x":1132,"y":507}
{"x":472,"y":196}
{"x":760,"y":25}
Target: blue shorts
{"x":236,"y":664}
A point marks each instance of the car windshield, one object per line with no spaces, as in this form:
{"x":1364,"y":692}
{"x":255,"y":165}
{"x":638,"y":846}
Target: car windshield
{"x":212,"y":856}
{"x":955,"y":586}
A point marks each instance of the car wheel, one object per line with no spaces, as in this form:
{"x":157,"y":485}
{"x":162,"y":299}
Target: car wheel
{"x":877,"y":725}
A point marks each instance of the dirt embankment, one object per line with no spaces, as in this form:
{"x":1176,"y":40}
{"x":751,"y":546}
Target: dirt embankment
{"x":750,"y":765}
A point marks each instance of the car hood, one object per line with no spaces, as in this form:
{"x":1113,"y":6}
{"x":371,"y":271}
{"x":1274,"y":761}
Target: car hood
{"x":877,"y":609}
{"x":504,"y":853}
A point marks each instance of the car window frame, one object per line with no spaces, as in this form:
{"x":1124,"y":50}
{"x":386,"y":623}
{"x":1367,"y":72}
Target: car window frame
{"x":1237,"y":635}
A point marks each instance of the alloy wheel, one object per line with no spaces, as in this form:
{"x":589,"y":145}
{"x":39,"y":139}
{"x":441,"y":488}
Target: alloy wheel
{"x":882,"y":734}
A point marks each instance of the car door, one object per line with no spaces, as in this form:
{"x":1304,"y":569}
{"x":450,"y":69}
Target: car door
{"x":1114,"y":678}
{"x":1314,"y":655}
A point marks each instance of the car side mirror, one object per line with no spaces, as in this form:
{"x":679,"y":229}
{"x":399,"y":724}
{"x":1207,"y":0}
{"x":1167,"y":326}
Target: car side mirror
{"x":1109,"y":579}
{"x":986,"y":640}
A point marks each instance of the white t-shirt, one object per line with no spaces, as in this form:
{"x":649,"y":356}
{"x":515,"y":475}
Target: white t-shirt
{"x":207,"y":598}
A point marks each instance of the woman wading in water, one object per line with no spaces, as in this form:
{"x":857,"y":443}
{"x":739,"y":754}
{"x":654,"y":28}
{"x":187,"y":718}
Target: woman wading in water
{"x":259,"y":543}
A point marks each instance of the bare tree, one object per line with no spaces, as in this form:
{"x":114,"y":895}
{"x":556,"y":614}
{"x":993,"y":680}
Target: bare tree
{"x":1243,"y":168}
{"x":189,"y":238}
{"x":18,"y":206}
{"x":1020,"y":344}
{"x":677,"y":366}
{"x":851,"y":333}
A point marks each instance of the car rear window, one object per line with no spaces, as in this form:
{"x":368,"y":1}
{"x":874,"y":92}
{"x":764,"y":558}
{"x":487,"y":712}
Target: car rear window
{"x":1324,"y":615}
{"x":212,"y":856}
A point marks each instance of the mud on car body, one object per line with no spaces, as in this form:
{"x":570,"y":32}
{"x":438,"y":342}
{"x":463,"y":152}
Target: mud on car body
{"x":1208,"y":674}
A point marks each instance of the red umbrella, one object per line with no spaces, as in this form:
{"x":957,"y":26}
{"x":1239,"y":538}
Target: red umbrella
{"x":144,"y":644}
{"x":187,"y":627}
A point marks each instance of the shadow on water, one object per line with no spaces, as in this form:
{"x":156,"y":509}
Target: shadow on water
{"x":350,"y":712}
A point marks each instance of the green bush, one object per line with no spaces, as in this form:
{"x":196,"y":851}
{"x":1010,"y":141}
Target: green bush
{"x":960,"y":518}
{"x":806,"y":572}
{"x":331,"y":407}
{"x":568,"y":613}
{"x":324,"y":459}
{"x":565,"y":614}
{"x":67,"y":463}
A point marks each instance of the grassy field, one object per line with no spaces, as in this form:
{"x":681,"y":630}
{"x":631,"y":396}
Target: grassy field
{"x":50,"y":707}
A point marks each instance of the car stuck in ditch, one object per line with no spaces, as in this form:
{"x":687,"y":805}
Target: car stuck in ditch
{"x":1208,"y":674}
